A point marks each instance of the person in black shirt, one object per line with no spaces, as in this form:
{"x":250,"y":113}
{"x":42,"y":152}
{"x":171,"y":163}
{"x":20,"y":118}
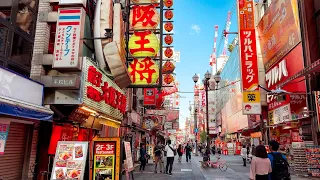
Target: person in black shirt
{"x":188,"y":152}
{"x":158,"y":157}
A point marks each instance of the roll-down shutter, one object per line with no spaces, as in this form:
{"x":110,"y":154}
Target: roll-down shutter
{"x":12,"y":161}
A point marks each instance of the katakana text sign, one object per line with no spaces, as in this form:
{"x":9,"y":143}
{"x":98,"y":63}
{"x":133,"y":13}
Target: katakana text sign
{"x":68,"y":43}
{"x":143,"y":71}
{"x":144,"y":17}
{"x":248,"y":58}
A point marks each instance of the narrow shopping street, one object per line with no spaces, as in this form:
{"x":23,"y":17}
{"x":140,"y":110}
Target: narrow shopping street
{"x":193,"y":171}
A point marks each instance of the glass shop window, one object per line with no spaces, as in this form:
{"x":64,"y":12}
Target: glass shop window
{"x":21,"y":52}
{"x":26,"y":15}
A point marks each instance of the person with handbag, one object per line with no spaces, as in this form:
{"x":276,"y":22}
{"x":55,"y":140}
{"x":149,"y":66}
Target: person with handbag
{"x":171,"y":152}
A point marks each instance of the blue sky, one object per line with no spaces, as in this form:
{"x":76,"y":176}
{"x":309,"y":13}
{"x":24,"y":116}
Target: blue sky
{"x":194,"y":22}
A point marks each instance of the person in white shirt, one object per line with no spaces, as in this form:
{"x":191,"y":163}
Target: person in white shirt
{"x":244,"y":155}
{"x":170,"y":156}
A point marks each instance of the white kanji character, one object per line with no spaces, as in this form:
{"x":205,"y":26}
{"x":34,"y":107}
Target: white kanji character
{"x":247,"y":33}
{"x":250,"y":71}
{"x":247,"y":41}
{"x":249,"y":78}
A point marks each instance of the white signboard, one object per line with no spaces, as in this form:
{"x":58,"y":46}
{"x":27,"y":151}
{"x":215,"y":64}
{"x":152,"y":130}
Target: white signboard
{"x":73,"y":2}
{"x":68,"y":43}
{"x":282,"y":114}
{"x":251,"y":108}
{"x":167,"y":125}
{"x":11,"y":84}
{"x":70,"y":160}
{"x":129,"y":161}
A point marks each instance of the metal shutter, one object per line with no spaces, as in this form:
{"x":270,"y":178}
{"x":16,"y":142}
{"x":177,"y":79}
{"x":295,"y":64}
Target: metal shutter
{"x":12,"y":161}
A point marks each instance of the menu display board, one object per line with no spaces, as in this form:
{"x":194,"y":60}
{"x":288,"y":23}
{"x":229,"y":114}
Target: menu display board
{"x":127,"y":148}
{"x":106,"y":159}
{"x":313,"y":157}
{"x":70,"y":160}
{"x":4,"y":130}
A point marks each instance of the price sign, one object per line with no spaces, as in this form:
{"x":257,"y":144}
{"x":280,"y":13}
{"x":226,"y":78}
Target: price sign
{"x":4,"y":130}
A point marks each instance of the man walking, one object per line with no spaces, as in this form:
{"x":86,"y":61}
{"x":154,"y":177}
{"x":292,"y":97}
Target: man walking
{"x":279,"y":164}
{"x":158,"y":157}
{"x":171,"y":151}
{"x":188,"y":152}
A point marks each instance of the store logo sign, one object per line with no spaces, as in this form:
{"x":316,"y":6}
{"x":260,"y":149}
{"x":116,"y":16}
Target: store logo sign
{"x":277,"y":73}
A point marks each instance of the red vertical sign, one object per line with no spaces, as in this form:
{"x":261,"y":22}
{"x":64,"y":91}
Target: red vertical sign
{"x":149,"y":96}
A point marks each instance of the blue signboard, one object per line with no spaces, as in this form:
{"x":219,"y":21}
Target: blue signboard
{"x":4,"y":130}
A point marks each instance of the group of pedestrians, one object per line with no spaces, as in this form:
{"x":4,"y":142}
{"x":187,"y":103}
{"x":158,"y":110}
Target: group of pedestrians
{"x":272,"y":166}
{"x":164,"y":152}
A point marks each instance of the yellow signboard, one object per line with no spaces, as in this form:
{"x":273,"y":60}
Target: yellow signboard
{"x":251,"y":96}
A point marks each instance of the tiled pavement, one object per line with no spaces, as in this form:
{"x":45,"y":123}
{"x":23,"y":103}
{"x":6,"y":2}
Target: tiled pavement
{"x":193,"y":171}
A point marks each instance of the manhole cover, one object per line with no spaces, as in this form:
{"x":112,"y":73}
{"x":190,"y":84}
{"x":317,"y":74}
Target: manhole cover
{"x":186,"y":170}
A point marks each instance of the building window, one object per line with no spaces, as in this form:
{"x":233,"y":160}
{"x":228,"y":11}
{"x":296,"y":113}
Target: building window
{"x":26,"y":16}
{"x":21,"y":52}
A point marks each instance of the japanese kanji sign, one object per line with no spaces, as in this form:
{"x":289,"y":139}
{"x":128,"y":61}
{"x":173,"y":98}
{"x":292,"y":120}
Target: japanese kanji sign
{"x":248,"y":58}
{"x":143,"y":71}
{"x":144,"y":17}
{"x":143,"y":44}
{"x":149,"y":96}
{"x":68,"y":43}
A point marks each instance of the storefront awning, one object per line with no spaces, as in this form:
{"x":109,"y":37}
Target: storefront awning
{"x":12,"y":107}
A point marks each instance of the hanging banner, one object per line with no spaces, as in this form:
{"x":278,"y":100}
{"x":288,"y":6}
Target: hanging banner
{"x":248,"y":58}
{"x":317,"y":100}
{"x":149,"y":96}
{"x":4,"y":131}
{"x":106,"y":158}
{"x":70,"y":160}
{"x":127,"y":148}
{"x":68,"y":43}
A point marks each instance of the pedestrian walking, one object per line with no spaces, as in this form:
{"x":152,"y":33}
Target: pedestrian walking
{"x":260,"y":165}
{"x":188,"y":152}
{"x":143,"y":157}
{"x":279,"y":163}
{"x":180,"y":152}
{"x":158,"y":157}
{"x":171,"y":151}
{"x":244,"y":155}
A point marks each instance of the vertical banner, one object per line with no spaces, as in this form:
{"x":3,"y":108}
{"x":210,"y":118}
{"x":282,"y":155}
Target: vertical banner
{"x":68,"y":43}
{"x":317,"y":96}
{"x":248,"y":58}
{"x":4,"y":131}
{"x":127,"y":148}
{"x":149,"y":96}
{"x":106,"y":158}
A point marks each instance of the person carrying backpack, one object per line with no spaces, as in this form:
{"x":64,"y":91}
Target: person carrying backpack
{"x":171,"y":152}
{"x":279,"y":163}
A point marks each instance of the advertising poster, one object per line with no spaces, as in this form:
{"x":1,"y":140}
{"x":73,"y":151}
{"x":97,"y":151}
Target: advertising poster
{"x":317,"y":100}
{"x":149,"y":97}
{"x":127,"y":148}
{"x":70,"y":160}
{"x":4,"y":130}
{"x":106,"y":159}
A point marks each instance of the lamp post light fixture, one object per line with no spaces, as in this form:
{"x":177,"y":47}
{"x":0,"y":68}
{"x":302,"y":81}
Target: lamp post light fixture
{"x":195,"y":79}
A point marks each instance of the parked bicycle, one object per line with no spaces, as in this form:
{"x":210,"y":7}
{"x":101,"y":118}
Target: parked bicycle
{"x":221,"y":164}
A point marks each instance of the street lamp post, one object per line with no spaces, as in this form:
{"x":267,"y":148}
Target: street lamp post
{"x":195,"y":79}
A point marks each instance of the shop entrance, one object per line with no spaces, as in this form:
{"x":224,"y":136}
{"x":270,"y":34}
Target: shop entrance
{"x":13,"y":160}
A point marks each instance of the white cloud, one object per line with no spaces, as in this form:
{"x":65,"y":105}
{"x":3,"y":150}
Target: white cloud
{"x":196,"y":29}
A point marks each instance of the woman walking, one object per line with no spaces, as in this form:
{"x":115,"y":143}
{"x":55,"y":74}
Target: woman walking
{"x":143,"y":157}
{"x":180,"y":152}
{"x":260,"y":165}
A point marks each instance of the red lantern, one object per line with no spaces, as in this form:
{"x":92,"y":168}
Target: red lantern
{"x":168,"y":14}
{"x":168,"y":39}
{"x":168,"y":26}
{"x":168,"y":3}
{"x":168,"y":78}
{"x":168,"y":67}
{"x":168,"y":52}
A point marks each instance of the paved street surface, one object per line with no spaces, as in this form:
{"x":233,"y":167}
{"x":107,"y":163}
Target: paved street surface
{"x":193,"y":171}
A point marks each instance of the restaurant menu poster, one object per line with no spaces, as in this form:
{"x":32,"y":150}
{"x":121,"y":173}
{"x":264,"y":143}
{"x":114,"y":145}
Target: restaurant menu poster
{"x":104,"y":160}
{"x":4,"y":130}
{"x":70,"y":160}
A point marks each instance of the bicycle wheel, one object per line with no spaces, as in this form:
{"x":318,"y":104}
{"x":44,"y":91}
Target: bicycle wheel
{"x":223,"y":167}
{"x":204,"y":165}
